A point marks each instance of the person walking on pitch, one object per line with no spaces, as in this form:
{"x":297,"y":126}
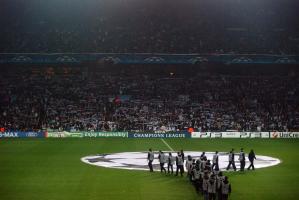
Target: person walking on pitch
{"x":215,"y":161}
{"x":170,"y":163}
{"x":150,"y":158}
{"x":231,"y":160}
{"x":242,"y":160}
{"x":251,"y":157}
{"x":179,"y":164}
{"x":162,"y":160}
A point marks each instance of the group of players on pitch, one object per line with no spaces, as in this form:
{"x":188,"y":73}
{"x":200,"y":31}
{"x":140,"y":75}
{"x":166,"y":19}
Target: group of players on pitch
{"x":204,"y":175}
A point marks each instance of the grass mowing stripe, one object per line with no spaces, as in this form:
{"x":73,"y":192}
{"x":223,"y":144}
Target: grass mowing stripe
{"x":171,"y":149}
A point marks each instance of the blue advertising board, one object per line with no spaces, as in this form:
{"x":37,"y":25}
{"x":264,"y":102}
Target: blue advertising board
{"x":159,"y":135}
{"x":18,"y":134}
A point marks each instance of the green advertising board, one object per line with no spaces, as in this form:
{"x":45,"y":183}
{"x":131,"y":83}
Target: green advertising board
{"x":64,"y":134}
{"x":105,"y":134}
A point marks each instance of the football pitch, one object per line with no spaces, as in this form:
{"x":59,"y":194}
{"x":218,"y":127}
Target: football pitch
{"x":51,"y":169}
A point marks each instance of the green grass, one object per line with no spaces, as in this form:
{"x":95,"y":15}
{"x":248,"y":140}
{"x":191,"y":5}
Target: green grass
{"x":50,"y":169}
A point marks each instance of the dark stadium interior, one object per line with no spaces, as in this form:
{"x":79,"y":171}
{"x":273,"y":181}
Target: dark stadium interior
{"x":168,"y":26}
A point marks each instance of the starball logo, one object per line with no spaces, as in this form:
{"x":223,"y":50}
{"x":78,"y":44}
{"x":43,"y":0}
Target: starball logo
{"x":138,"y":160}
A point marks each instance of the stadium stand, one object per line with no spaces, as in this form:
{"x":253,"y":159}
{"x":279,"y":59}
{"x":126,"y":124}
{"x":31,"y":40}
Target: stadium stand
{"x":143,"y":98}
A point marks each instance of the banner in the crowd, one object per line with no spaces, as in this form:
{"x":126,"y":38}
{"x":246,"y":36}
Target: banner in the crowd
{"x":21,"y":134}
{"x":105,"y":134}
{"x":160,"y":135}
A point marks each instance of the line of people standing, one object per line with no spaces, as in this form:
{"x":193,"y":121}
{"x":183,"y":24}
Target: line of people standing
{"x":206,"y":177}
{"x":169,"y":160}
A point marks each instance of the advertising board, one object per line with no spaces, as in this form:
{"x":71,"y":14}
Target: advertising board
{"x":63,"y":134}
{"x":105,"y":134}
{"x":160,"y":135}
{"x":20,"y":134}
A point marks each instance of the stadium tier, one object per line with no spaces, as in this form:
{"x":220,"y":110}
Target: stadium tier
{"x":140,"y":26}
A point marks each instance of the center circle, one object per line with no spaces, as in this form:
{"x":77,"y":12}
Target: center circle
{"x":138,"y":160}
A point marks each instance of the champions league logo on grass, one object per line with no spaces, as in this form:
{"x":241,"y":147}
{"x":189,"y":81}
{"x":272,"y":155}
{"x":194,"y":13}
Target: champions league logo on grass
{"x":138,"y":160}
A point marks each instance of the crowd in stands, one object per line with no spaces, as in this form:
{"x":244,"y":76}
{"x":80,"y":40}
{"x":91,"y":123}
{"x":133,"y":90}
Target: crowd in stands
{"x":133,"y":99}
{"x":134,"y":26}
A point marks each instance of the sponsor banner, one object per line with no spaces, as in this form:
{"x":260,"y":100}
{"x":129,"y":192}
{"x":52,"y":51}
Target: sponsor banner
{"x":275,"y":134}
{"x":255,"y":135}
{"x":293,"y":134}
{"x":216,"y":134}
{"x":285,"y":135}
{"x":63,"y":134}
{"x":160,"y":135}
{"x":231,"y":135}
{"x":245,"y":134}
{"x":265,"y":135}
{"x":22,"y":134}
{"x":259,"y":135}
{"x":105,"y":134}
{"x":200,"y":134}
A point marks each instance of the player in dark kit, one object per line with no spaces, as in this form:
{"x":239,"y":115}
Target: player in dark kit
{"x":183,"y":157}
{"x":150,"y":158}
{"x":203,"y":154}
{"x":231,"y":160}
{"x":251,"y":157}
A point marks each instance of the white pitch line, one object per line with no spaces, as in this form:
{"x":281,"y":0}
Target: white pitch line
{"x":171,"y":149}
